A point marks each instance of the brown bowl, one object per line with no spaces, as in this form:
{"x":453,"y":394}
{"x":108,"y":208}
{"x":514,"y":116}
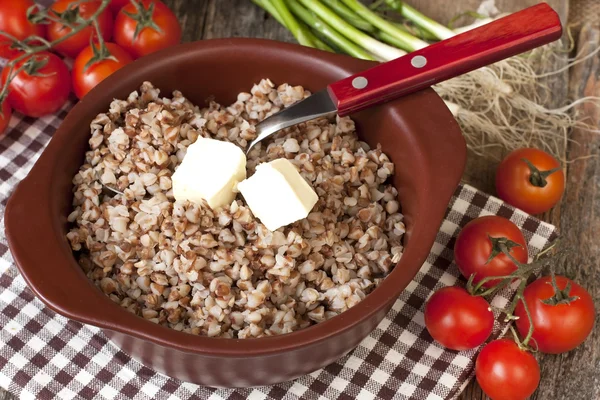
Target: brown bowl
{"x":418,"y":132}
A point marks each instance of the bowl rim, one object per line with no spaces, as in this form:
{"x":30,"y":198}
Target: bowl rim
{"x":115,"y":318}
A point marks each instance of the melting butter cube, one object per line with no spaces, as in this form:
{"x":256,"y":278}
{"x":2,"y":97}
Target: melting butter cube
{"x":277,"y":194}
{"x":209,"y":171}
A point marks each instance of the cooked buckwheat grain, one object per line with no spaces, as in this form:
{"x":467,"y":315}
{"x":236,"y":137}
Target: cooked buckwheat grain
{"x":221,"y":272}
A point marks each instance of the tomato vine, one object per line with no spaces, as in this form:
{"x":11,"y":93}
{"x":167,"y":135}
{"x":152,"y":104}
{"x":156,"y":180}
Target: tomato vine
{"x":29,"y":47}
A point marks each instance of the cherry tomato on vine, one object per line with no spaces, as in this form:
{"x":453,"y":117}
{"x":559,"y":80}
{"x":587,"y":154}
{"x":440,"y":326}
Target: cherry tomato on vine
{"x":146,"y":27}
{"x":73,"y":45}
{"x":13,"y":20}
{"x":5,"y":117}
{"x":561,"y":320}
{"x":474,"y":248}
{"x":41,"y":88}
{"x":87,"y":73}
{"x":530,"y":179}
{"x":506,"y":372}
{"x":116,"y":5}
{"x":458,"y":320}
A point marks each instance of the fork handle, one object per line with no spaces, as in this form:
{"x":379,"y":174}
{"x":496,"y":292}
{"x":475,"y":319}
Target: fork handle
{"x":495,"y":41}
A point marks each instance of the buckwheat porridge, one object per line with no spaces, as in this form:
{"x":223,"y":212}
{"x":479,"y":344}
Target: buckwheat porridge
{"x":221,"y":272}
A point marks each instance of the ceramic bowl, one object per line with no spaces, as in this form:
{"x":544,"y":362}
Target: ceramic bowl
{"x":418,"y":133}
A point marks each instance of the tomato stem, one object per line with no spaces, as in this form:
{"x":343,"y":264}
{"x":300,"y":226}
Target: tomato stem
{"x":33,"y":65}
{"x":537,"y":177}
{"x":11,"y":73}
{"x":560,"y":296}
{"x":16,"y":43}
{"x":101,"y":52}
{"x":522,"y":273}
{"x":143,"y":18}
{"x":493,"y":290}
{"x":37,"y":39}
{"x":546,"y":250}
{"x":499,"y":245}
{"x":43,"y":16}
{"x":515,"y":300}
{"x":525,"y":342}
{"x":62,"y":18}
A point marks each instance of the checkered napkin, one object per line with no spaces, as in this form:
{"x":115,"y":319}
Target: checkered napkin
{"x":45,"y":356}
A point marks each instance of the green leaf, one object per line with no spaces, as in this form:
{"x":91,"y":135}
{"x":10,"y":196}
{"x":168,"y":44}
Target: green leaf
{"x":37,"y":16}
{"x":560,"y":296}
{"x":500,"y":246}
{"x":143,"y":18}
{"x":100,"y":53}
{"x":34,"y":64}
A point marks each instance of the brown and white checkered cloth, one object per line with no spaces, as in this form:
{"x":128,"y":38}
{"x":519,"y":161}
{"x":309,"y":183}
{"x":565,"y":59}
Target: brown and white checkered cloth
{"x":45,"y":356}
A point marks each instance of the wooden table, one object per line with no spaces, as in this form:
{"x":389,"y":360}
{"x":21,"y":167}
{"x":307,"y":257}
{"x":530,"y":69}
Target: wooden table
{"x":574,"y":375}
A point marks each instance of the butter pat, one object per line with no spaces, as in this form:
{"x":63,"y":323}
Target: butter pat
{"x":209,"y":171}
{"x":277,"y":194}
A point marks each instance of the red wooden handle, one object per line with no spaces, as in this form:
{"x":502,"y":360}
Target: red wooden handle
{"x":495,"y":41}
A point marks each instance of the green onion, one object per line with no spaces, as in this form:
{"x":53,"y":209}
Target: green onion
{"x":299,"y":31}
{"x":416,"y":31}
{"x":435,"y":28}
{"x":320,"y":44}
{"x":350,"y":16}
{"x":380,"y":50}
{"x":408,"y":41}
{"x":387,"y":38}
{"x":268,"y":7}
{"x":318,"y":25}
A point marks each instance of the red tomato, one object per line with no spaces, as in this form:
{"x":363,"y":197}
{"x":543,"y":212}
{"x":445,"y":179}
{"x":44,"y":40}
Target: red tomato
{"x":84,"y":79}
{"x":528,"y":188}
{"x":458,"y":320}
{"x":157,"y":28}
{"x":116,"y":5}
{"x":38,"y":95}
{"x":473,"y":248}
{"x":505,"y":372}
{"x":5,"y":117}
{"x":72,"y":46}
{"x":556,"y":328}
{"x":13,"y":20}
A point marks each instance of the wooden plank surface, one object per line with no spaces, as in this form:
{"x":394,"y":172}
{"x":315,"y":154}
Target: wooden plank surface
{"x":574,"y":375}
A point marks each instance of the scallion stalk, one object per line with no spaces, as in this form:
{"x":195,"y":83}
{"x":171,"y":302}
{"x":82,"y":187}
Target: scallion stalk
{"x":435,"y":28}
{"x":319,"y":44}
{"x":335,"y":38}
{"x":408,"y":41}
{"x":268,"y":7}
{"x":381,"y":51}
{"x":387,"y":38}
{"x":350,"y":16}
{"x":417,"y":31}
{"x":299,"y":31}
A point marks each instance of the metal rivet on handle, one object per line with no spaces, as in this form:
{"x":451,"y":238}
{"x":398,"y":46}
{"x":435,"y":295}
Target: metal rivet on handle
{"x":418,"y":61}
{"x":359,"y":82}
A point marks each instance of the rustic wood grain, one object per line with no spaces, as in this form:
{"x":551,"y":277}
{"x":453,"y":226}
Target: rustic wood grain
{"x":575,"y":375}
